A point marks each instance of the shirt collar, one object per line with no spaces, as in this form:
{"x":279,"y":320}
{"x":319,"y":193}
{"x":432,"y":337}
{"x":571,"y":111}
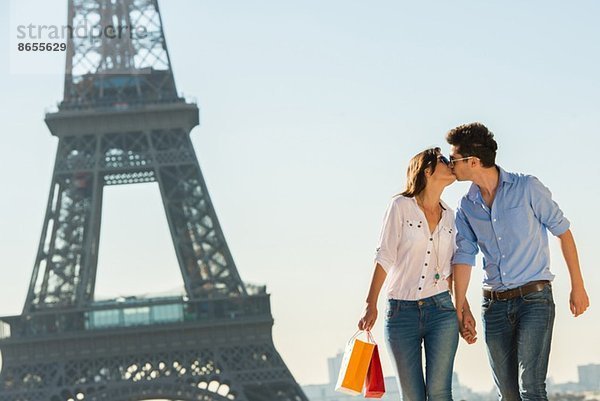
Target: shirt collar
{"x":474,"y":193}
{"x":504,"y":176}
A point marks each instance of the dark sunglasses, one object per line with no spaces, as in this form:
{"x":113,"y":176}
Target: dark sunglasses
{"x":444,"y":160}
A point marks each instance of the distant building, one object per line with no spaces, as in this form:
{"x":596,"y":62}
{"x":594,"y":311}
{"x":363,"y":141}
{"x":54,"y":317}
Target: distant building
{"x":589,"y":382}
{"x":326,"y":392}
{"x":589,"y":377}
{"x":334,"y":364}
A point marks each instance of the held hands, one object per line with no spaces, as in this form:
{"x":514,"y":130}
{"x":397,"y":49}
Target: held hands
{"x":578,"y":300}
{"x":367,"y":321}
{"x":466,"y":324}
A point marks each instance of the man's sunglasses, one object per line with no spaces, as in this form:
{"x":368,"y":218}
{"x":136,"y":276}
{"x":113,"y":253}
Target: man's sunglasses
{"x":452,"y":161}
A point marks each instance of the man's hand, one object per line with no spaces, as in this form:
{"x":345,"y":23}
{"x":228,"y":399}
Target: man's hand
{"x":578,"y":300}
{"x":367,"y":321}
{"x":466,"y":324}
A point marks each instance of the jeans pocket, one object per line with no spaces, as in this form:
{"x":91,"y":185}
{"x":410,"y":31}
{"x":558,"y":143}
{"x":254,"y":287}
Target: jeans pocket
{"x":486,"y":305}
{"x":544,"y":296}
{"x":446,"y":304}
{"x":392,"y":310}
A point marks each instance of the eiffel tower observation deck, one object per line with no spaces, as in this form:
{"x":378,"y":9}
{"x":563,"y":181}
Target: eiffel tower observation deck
{"x":121,"y":122}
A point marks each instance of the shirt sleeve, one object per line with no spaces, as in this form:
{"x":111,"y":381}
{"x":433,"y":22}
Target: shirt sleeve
{"x":466,"y":241}
{"x":389,"y":239}
{"x":545,"y":209}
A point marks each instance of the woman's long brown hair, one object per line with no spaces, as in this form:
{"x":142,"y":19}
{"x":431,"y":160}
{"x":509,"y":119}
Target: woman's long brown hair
{"x":415,"y":174}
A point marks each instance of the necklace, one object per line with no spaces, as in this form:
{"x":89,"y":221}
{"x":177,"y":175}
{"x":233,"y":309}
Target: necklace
{"x":436,"y":252}
{"x":437,"y":256}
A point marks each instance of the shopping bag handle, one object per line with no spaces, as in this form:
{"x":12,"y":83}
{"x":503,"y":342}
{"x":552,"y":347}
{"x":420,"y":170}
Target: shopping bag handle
{"x":369,"y":336}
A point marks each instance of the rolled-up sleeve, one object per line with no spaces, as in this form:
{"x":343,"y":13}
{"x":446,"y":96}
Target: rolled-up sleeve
{"x":466,"y":241}
{"x":545,"y":209}
{"x":389,"y":239}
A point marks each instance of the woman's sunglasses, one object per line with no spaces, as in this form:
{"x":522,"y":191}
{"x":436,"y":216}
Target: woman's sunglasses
{"x":444,"y":160}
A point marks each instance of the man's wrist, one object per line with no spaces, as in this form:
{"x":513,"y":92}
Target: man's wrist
{"x":577,"y":284}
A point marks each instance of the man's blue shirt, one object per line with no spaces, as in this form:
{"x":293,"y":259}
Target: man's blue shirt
{"x":512,"y":234}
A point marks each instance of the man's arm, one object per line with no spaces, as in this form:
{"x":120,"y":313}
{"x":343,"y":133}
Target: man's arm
{"x":549,"y":214}
{"x":578,"y":300}
{"x":464,"y":258}
{"x":461,"y":275}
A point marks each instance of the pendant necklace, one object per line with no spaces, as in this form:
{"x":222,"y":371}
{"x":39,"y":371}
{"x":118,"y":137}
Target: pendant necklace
{"x":436,"y":251}
{"x":437,"y":258}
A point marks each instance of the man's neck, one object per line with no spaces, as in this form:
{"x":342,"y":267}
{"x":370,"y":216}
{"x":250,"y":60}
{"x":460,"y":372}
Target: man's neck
{"x":487,"y":181}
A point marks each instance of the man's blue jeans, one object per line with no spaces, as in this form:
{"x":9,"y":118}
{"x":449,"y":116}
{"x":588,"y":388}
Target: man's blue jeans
{"x":410,"y":324}
{"x":518,"y":333}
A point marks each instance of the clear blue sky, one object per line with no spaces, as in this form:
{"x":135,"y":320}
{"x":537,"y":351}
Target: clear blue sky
{"x":309,"y":113}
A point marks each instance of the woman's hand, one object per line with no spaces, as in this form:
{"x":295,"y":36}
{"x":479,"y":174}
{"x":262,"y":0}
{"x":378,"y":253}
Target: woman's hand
{"x":367,"y":321}
{"x":466,"y":323}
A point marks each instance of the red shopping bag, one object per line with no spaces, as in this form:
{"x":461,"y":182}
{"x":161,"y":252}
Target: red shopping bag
{"x":374,"y":383}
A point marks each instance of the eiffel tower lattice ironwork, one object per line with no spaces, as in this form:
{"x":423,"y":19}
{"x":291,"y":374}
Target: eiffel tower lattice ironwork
{"x":121,"y":121}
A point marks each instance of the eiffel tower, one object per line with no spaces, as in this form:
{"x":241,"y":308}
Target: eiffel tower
{"x":121,"y":121}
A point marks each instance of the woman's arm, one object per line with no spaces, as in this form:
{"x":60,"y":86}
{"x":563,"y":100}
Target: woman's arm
{"x":367,"y":321}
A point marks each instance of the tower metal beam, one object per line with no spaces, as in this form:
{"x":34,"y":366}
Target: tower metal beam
{"x":121,"y":122}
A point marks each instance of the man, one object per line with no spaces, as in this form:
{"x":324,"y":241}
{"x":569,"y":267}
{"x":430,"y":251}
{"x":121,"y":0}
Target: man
{"x":507,"y":216}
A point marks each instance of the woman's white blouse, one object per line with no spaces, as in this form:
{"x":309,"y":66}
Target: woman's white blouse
{"x":408,"y":252}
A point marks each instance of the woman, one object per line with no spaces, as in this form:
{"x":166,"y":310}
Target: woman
{"x":415,"y":248}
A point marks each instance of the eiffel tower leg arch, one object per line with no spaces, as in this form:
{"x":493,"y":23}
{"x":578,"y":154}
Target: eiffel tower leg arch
{"x":219,"y":359}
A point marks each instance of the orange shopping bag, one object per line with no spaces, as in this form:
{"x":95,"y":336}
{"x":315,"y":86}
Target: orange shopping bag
{"x":355,"y":364}
{"x":375,"y":382}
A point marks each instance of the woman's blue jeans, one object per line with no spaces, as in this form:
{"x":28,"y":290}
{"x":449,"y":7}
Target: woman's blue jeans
{"x":518,"y":333}
{"x":409,"y":325}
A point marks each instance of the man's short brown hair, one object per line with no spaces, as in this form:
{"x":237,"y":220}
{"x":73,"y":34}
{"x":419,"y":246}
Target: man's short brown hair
{"x":474,"y":139}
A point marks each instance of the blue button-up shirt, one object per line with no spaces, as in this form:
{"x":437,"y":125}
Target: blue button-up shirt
{"x":512,"y":234}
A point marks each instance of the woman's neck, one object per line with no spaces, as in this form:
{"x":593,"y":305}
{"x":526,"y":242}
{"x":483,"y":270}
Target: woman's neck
{"x":429,"y":198}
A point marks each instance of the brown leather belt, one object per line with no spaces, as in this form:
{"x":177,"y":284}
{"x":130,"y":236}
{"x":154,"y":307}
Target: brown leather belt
{"x":533,"y":286}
